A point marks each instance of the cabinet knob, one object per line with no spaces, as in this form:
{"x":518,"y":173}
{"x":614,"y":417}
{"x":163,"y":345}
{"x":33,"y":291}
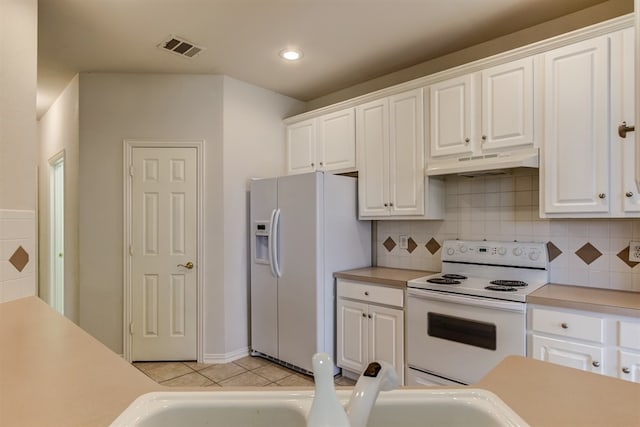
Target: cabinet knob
{"x":364,"y":315}
{"x":595,"y":363}
{"x":391,"y":204}
{"x":369,"y":316}
{"x":564,"y":325}
{"x":629,"y":194}
{"x":626,"y":370}
{"x":386,"y":204}
{"x":484,"y":137}
{"x":466,"y":140}
{"x":366,"y":293}
{"x":320,"y":163}
{"x":602,"y":195}
{"x":313,"y":164}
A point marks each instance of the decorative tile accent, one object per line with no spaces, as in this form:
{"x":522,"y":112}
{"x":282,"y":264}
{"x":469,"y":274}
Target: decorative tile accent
{"x":553,"y":251}
{"x":389,"y":244}
{"x":588,"y":253}
{"x":433,"y":246}
{"x":624,"y":256}
{"x":411,"y":245}
{"x":19,"y":259}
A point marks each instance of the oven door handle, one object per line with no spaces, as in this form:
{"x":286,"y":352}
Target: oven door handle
{"x":517,"y":307}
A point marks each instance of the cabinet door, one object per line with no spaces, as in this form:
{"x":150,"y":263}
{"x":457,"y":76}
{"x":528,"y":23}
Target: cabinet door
{"x":386,"y":337}
{"x":352,"y":330}
{"x":576,"y":143}
{"x":507,"y":105}
{"x":301,"y":147}
{"x":372,"y":136}
{"x":450,"y":117}
{"x":406,"y":154}
{"x":629,"y":366}
{"x":623,"y":150}
{"x":568,"y":353}
{"x":337,"y":141}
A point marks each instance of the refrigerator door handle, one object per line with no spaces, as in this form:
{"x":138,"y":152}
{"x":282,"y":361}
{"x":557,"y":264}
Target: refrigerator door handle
{"x":271,"y":245}
{"x":275,"y":252}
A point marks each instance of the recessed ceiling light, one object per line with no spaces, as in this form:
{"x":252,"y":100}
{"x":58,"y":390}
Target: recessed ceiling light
{"x":291,"y":54}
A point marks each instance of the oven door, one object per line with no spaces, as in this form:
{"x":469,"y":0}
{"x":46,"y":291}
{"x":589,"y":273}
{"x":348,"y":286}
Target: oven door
{"x":462,"y":337}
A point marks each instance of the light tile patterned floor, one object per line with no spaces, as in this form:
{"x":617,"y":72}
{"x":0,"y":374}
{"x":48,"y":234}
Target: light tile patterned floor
{"x":246,"y":372}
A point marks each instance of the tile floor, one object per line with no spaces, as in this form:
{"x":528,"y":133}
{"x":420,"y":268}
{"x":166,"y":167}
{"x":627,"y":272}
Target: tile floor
{"x":246,"y":372}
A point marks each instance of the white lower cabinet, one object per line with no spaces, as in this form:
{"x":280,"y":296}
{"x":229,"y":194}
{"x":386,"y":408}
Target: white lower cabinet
{"x":589,"y":341}
{"x":368,"y":331}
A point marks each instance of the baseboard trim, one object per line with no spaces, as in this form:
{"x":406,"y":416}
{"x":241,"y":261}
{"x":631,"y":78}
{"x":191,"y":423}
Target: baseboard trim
{"x":225,"y":357}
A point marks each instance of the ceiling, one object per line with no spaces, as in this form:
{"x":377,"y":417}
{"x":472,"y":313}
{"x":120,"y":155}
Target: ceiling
{"x":345,"y":42}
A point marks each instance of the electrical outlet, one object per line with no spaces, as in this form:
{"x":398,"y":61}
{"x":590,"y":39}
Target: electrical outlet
{"x":634,"y":251}
{"x":404,"y":242}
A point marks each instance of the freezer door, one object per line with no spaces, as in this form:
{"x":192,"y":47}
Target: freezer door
{"x":264,"y":285}
{"x":300,"y":324}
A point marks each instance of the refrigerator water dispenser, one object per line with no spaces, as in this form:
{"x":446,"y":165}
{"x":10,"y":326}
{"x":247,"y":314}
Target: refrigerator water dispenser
{"x":261,"y":234}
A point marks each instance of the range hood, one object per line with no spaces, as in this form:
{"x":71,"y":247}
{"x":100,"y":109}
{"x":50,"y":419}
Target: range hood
{"x":495,"y":163}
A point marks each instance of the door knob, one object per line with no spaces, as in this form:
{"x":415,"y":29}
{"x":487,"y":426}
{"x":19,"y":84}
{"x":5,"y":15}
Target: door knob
{"x":188,"y":265}
{"x":623,"y":129}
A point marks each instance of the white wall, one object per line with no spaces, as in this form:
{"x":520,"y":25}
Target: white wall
{"x":244,"y":134}
{"x":18,"y":145}
{"x":253,"y":147}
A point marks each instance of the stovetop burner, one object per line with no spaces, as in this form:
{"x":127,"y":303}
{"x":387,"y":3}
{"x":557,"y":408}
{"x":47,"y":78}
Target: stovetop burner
{"x":454,"y":276}
{"x":443,"y":281}
{"x":501,"y":288}
{"x":512,"y":283}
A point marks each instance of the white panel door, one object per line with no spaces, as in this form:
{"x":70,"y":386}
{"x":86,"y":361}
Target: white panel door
{"x":301,"y":147}
{"x":386,"y":337}
{"x":507,"y":105}
{"x":372,"y":136}
{"x":164,"y":227}
{"x":450,"y":116}
{"x":576,"y":143}
{"x":352,"y":335}
{"x":567,"y":353}
{"x":406,"y":154}
{"x":337,"y":141}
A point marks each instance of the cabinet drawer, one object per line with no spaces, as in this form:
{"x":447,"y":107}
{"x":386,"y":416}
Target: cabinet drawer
{"x":572,"y":325}
{"x":629,"y":334}
{"x":370,"y":293}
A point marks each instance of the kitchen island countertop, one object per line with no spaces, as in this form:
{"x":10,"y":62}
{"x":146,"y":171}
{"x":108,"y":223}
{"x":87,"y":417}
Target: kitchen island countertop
{"x":54,"y":374}
{"x":383,"y":275}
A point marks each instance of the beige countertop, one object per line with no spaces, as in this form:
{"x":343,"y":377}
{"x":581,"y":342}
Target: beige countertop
{"x":383,"y":275}
{"x":544,"y":394}
{"x":54,"y":374}
{"x":621,"y":303}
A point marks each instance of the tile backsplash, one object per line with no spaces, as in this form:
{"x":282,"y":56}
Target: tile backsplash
{"x":590,"y":252}
{"x":17,"y":254}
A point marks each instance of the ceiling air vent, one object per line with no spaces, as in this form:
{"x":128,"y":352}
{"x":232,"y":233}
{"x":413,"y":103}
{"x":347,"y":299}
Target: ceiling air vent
{"x":180,"y":46}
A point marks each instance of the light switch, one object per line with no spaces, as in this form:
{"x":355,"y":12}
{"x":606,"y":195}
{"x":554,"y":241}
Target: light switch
{"x":404,"y":242}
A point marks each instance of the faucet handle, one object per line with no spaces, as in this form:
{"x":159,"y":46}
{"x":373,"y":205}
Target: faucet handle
{"x":326,"y":409}
{"x":389,"y":380}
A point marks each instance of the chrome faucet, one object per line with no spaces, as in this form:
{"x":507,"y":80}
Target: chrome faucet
{"x":327,"y":411}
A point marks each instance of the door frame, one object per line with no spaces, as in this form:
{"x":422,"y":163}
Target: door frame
{"x":128,"y":146}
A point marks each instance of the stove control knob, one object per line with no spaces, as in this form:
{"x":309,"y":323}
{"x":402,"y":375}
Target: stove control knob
{"x":451,"y":251}
{"x":463,"y":248}
{"x":517,"y":251}
{"x":534,"y":255}
{"x":502,"y":251}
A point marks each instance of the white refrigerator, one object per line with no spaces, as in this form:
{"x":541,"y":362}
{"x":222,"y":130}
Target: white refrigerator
{"x":303,"y":229}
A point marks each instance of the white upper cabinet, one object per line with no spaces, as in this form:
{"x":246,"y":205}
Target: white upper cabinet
{"x":587,"y":168}
{"x":450,"y":116}
{"x":325,"y":143}
{"x":487,"y":111}
{"x":508,"y":105}
{"x":390,"y":143}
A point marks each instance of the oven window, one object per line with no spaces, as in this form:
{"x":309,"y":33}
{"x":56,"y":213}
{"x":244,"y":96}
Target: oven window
{"x":465,"y":331}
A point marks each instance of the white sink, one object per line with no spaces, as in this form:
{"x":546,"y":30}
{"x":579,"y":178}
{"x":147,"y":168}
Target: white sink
{"x":284,"y":408}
